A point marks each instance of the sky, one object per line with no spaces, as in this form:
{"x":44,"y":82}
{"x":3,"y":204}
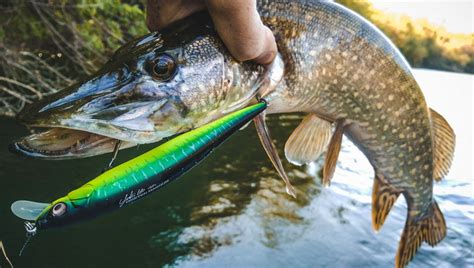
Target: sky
{"x":455,"y":15}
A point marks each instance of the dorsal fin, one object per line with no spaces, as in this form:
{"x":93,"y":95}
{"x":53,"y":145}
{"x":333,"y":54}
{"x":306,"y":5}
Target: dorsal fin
{"x":332,"y":153}
{"x":270,"y":149}
{"x":444,"y":141}
{"x":384,"y":197}
{"x":308,"y":141}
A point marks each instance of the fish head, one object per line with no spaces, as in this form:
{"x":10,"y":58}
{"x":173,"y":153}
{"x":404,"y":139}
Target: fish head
{"x":156,"y":86}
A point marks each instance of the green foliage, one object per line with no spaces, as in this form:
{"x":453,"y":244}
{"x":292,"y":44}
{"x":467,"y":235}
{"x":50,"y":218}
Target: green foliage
{"x":85,"y":32}
{"x":362,"y":7}
{"x":89,"y":30}
{"x":426,"y":48}
{"x":46,"y":45}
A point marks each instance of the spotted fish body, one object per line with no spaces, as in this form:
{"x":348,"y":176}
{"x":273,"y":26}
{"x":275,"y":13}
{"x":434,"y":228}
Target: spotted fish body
{"x":338,"y":68}
{"x":344,"y":70}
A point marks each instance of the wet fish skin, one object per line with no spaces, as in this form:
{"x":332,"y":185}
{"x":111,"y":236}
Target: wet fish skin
{"x":338,"y":67}
{"x":341,"y":68}
{"x":126,"y":100}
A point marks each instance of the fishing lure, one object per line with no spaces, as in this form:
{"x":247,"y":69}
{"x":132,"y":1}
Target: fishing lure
{"x":136,"y":178}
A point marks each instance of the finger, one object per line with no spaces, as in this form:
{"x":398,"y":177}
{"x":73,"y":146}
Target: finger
{"x":161,"y":13}
{"x":269,"y":50}
{"x":242,"y":30}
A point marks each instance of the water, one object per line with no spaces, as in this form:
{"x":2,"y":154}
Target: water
{"x":232,"y":210}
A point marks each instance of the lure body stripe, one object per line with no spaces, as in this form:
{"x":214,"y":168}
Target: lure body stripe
{"x":146,"y":173}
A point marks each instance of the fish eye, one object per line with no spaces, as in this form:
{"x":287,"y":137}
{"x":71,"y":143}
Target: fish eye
{"x":59,"y":209}
{"x":164,"y":67}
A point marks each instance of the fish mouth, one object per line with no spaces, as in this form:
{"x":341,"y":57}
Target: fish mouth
{"x":79,"y":135}
{"x":58,"y":143}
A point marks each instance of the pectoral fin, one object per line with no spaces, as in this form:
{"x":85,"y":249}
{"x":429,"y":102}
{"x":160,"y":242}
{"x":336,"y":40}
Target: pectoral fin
{"x":444,"y":141}
{"x":272,"y":153}
{"x":333,"y":152}
{"x":308,"y":141}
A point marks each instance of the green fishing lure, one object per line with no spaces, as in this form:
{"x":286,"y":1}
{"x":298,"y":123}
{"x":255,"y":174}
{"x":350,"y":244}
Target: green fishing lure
{"x":136,"y":178}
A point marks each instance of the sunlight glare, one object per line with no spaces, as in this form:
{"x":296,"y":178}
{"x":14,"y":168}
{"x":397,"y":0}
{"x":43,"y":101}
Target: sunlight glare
{"x":456,"y":16}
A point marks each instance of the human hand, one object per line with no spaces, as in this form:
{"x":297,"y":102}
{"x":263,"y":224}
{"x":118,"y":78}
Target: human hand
{"x":237,"y":23}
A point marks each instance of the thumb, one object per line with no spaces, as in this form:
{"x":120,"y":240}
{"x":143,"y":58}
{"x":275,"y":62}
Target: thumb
{"x":242,"y":31}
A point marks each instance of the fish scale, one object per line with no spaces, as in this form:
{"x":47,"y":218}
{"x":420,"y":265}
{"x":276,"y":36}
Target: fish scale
{"x":354,"y":74}
{"x":337,"y":38}
{"x":337,"y":67}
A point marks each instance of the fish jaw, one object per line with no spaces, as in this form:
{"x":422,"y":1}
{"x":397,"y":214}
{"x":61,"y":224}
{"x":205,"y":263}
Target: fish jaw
{"x":63,"y":143}
{"x":89,"y":133}
{"x":129,"y":100}
{"x":90,"y":119}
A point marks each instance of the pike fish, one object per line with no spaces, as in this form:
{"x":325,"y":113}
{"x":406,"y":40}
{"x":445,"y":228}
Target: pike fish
{"x":334,"y":65}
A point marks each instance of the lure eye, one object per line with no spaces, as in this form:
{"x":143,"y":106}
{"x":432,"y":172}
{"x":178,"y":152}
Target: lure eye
{"x":164,"y":68}
{"x":59,"y":209}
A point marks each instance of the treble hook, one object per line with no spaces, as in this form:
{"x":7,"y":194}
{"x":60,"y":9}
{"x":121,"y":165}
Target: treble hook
{"x":31,"y":229}
{"x":116,"y":149}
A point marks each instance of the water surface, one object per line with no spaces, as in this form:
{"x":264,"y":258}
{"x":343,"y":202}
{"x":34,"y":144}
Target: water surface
{"x":232,"y":210}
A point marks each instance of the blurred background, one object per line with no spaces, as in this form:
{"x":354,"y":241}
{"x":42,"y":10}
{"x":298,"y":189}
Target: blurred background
{"x":232,"y":209}
{"x":47,"y":44}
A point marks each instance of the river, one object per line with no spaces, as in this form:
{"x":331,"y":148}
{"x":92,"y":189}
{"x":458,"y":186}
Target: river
{"x":232,"y":209}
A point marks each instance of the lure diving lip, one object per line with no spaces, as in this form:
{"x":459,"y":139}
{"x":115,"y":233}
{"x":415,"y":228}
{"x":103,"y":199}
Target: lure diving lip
{"x":137,"y":177}
{"x":28,"y":210}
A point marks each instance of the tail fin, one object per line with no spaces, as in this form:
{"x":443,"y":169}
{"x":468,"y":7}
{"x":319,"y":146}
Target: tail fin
{"x":430,"y":229}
